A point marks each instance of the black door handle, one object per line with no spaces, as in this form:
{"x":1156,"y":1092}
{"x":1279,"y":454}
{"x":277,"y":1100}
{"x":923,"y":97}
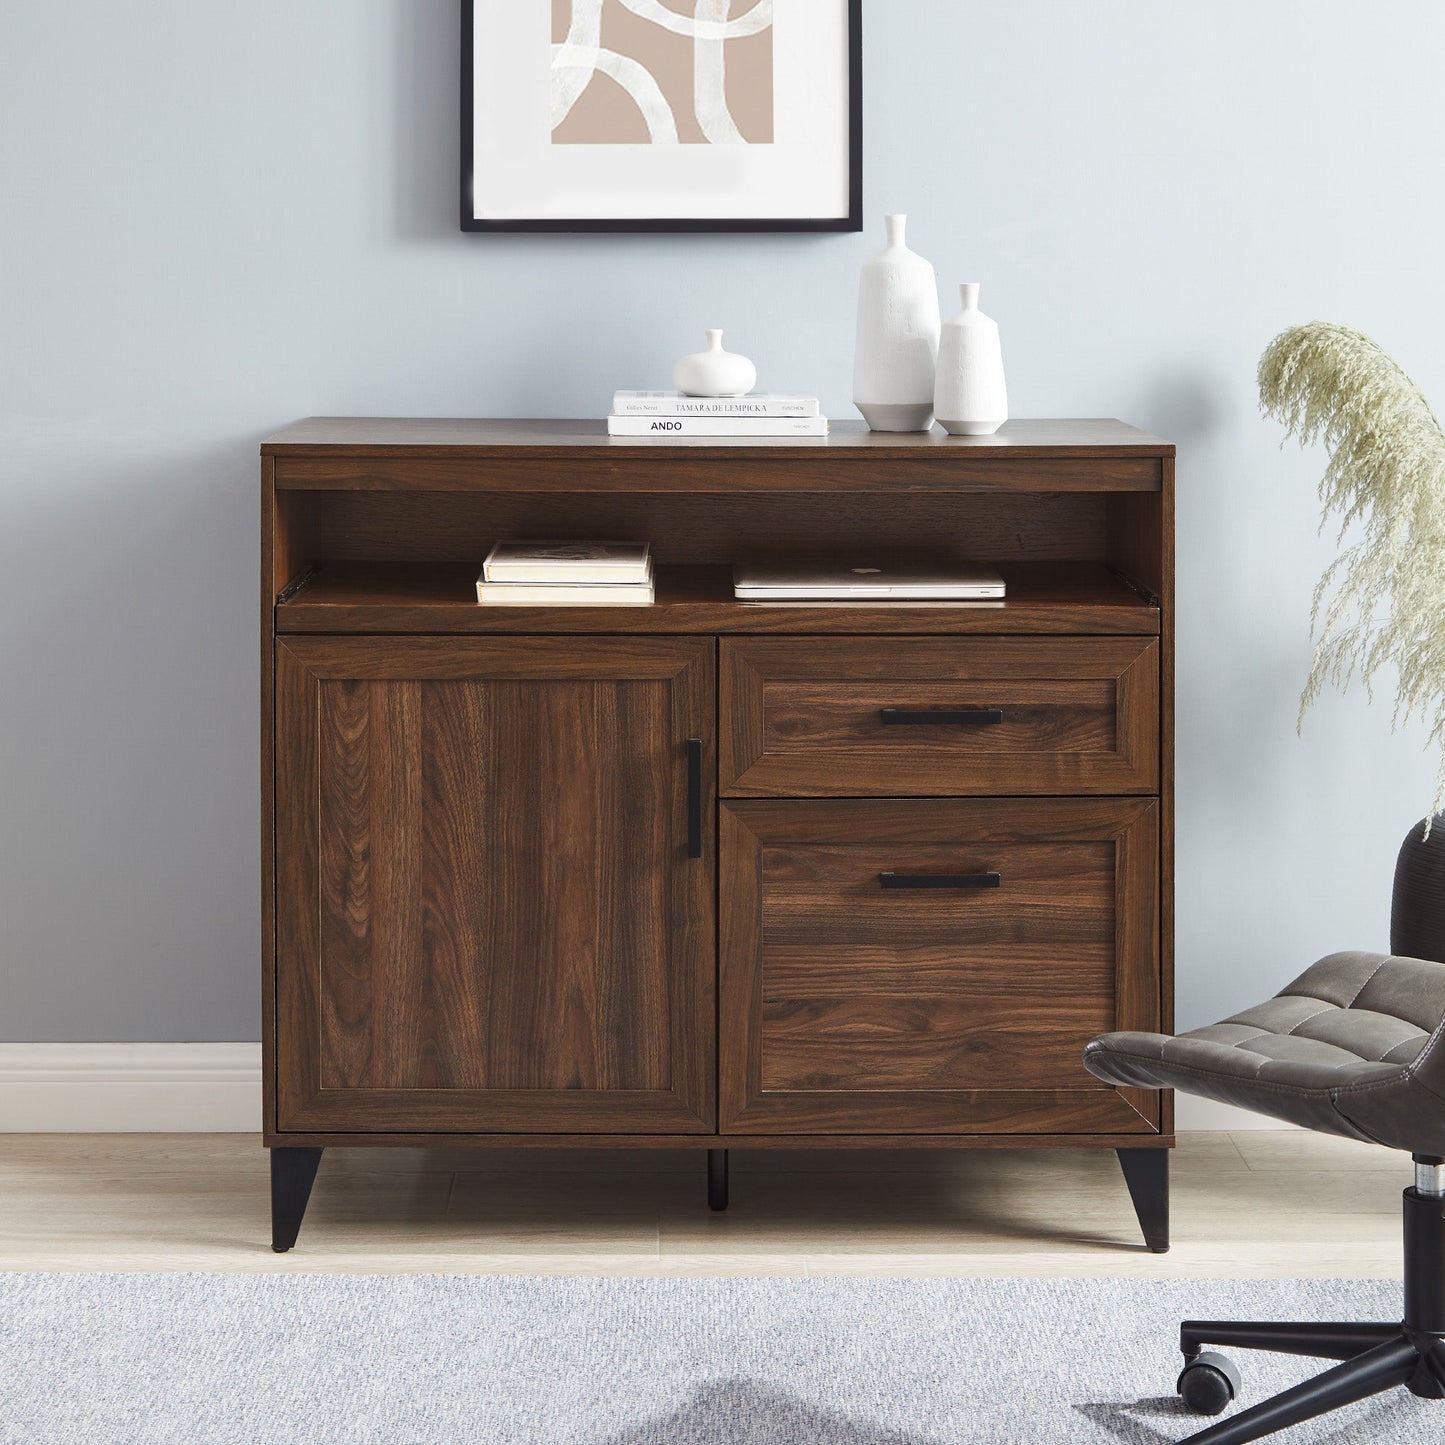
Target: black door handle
{"x":940,"y":880}
{"x":694,"y":797}
{"x":926,"y":716}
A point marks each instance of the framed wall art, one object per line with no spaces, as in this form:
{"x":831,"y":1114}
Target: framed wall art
{"x":662,"y":115}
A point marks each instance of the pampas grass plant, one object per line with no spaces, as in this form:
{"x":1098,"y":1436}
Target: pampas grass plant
{"x":1380,"y":606}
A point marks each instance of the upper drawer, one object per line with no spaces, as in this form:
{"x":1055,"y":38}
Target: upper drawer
{"x":924,"y":716}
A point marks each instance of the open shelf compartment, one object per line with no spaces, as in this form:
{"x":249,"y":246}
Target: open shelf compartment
{"x":440,"y":597}
{"x":388,"y":534}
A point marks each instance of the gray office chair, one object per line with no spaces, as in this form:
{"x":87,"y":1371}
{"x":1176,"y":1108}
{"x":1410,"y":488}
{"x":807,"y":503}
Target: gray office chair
{"x":1355,"y":1046}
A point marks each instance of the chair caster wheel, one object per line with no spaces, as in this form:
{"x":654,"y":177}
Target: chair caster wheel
{"x":1208,"y":1384}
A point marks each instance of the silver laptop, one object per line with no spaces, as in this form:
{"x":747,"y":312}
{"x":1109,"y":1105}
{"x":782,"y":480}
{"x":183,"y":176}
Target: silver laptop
{"x":831,"y":582}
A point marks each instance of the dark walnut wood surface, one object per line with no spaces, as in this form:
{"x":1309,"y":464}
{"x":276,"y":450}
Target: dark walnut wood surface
{"x":851,"y":1006}
{"x":923,"y":716}
{"x":380,"y":597}
{"x":488,"y":915}
{"x":425,"y":437}
{"x":480,"y":919}
{"x":578,"y":458}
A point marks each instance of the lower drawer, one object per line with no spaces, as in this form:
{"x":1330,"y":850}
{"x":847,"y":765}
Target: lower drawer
{"x":934,"y":966}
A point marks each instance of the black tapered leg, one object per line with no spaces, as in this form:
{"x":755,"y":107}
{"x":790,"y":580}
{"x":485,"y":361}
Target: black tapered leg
{"x":1317,"y":1341}
{"x":1372,"y":1373}
{"x":1146,"y":1172}
{"x":293,"y":1171}
{"x":717,"y":1179}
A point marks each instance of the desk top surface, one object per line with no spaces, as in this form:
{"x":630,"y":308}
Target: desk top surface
{"x":447,"y":437}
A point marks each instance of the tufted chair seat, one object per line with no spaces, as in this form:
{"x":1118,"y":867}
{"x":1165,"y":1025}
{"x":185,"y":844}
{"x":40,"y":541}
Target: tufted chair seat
{"x":1353,"y":1047}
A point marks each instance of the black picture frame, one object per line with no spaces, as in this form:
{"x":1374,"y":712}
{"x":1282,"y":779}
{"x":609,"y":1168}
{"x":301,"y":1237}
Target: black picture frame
{"x":853,"y":221}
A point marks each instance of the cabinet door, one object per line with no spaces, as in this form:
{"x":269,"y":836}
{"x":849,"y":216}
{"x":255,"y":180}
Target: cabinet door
{"x":488,"y":916}
{"x":934,"y":967}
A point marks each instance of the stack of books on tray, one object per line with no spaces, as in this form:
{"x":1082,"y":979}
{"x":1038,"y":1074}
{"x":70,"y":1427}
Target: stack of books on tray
{"x":671,"y":414}
{"x":567,"y":574}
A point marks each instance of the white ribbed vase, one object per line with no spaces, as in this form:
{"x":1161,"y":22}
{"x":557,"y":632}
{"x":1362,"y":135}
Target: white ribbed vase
{"x":893,"y":365}
{"x":971,"y":398}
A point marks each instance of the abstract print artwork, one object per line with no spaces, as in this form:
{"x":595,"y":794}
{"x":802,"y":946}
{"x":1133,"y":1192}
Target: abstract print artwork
{"x":662,"y":115}
{"x":662,"y":72}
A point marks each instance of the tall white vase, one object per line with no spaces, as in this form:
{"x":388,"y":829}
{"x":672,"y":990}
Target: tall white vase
{"x":893,"y":366}
{"x":971,"y":398}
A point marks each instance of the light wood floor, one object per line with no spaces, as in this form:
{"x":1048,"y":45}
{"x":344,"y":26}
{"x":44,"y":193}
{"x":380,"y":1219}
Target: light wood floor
{"x":1265,"y":1203}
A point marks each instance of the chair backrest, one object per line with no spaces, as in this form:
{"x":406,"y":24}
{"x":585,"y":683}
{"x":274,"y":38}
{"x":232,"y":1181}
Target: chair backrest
{"x":1417,"y":906}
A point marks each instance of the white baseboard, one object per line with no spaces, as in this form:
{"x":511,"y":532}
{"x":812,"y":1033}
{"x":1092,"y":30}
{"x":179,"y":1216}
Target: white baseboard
{"x":130,"y":1088}
{"x":216,"y":1089}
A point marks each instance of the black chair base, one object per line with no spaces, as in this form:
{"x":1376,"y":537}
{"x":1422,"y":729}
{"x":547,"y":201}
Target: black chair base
{"x":1394,"y":1357}
{"x":1373,"y":1357}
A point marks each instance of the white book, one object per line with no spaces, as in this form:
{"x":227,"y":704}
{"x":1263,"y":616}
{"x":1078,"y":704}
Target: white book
{"x":562,"y":594}
{"x":717,"y":426}
{"x":675,"y":403}
{"x":547,"y":562}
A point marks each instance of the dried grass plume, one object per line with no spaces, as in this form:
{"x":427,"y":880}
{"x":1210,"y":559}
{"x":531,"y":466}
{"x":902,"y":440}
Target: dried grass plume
{"x":1381,"y":603}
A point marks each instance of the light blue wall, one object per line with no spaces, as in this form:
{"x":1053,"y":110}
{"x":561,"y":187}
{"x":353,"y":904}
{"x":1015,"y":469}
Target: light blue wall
{"x":217,"y":217}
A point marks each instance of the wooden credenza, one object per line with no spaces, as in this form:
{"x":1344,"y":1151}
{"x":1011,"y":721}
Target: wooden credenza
{"x":707,"y":873}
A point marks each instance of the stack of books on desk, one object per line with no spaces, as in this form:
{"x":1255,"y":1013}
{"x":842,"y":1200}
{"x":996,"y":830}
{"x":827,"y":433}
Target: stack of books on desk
{"x":567,"y":574}
{"x":671,"y":414}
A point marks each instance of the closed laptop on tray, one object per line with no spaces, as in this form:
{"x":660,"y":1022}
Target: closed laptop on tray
{"x":832,"y":582}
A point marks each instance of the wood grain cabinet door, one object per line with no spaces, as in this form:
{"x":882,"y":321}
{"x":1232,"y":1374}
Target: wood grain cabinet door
{"x":934,"y":967}
{"x":489,"y":916}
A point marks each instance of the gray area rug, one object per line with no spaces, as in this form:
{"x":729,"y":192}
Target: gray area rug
{"x":113,"y":1359}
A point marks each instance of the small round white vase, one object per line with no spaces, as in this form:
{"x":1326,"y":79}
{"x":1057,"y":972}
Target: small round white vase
{"x":715,"y":372}
{"x":893,"y":364}
{"x":971,"y":397}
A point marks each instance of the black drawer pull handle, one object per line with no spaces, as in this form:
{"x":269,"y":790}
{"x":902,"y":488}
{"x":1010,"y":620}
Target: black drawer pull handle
{"x":940,"y":880}
{"x":925,"y":716}
{"x":694,"y":797}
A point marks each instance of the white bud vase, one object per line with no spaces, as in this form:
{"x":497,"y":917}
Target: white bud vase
{"x":971,"y":399}
{"x":893,"y":365}
{"x":714,"y":372}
